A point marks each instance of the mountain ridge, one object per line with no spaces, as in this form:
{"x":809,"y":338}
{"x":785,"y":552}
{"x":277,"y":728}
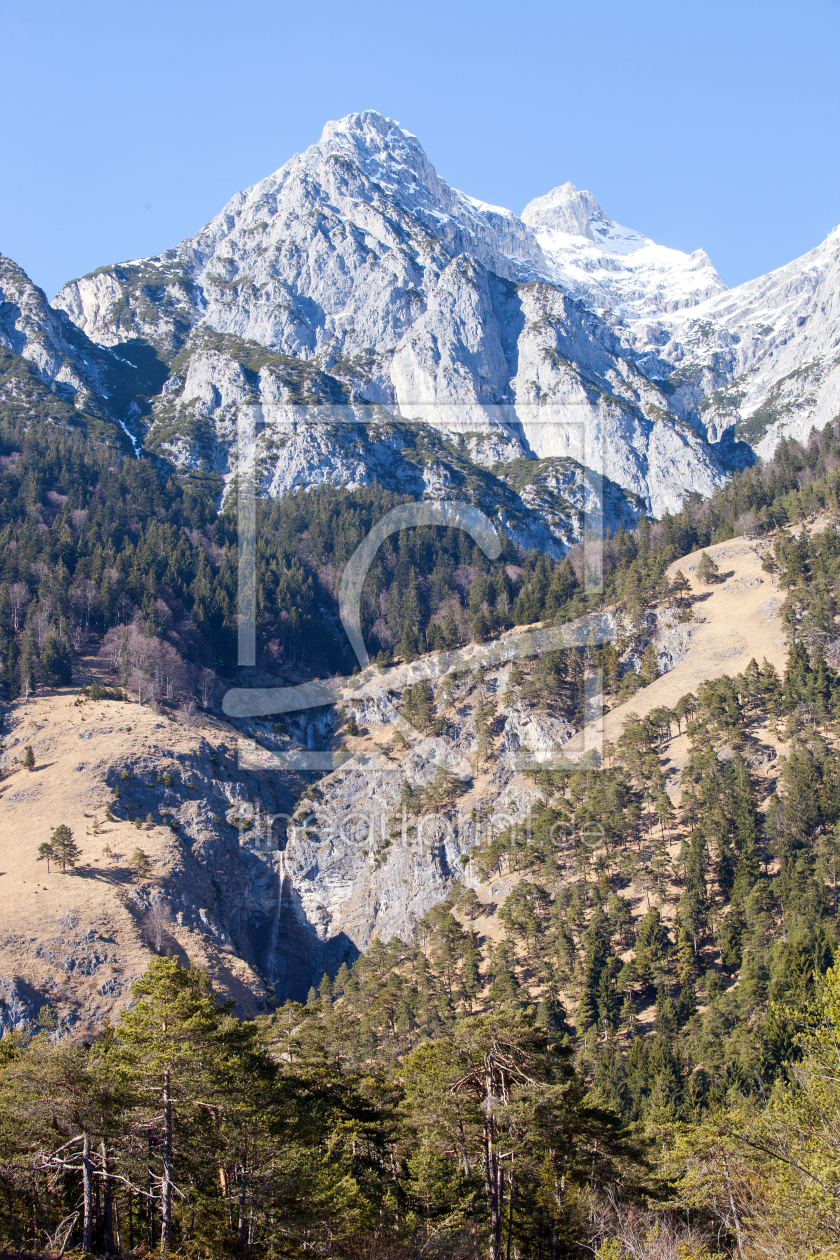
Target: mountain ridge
{"x":355,"y":278}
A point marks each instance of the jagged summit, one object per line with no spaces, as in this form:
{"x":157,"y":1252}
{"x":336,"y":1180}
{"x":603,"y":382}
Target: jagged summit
{"x":365,"y":122}
{"x":612,"y":267}
{"x":398,"y":291}
{"x":570,"y":210}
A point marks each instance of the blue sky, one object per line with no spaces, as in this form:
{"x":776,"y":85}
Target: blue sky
{"x":715,"y":124}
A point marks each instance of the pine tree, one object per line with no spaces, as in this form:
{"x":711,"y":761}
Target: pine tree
{"x":707,"y":571}
{"x":54,"y":667}
{"x":595,"y":960}
{"x":66,"y":1099}
{"x":325,"y":991}
{"x":470,"y":971}
{"x":653,"y":948}
{"x":444,"y":785}
{"x":46,"y":853}
{"x":28,"y":758}
{"x":64,"y":848}
{"x":482,"y":729}
{"x":410,"y":619}
{"x":341,"y":979}
{"x":681,"y":589}
{"x":139,"y":864}
{"x":649,"y":671}
{"x":505,"y":986}
{"x":172,"y":1043}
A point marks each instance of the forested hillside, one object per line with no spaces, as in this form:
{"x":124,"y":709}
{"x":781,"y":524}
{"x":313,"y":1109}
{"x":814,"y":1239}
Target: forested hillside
{"x":92,"y":540}
{"x":635,"y":1055}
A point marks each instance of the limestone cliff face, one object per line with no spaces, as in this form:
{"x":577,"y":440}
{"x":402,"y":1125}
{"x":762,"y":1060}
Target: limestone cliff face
{"x":762,"y":360}
{"x":49,"y":362}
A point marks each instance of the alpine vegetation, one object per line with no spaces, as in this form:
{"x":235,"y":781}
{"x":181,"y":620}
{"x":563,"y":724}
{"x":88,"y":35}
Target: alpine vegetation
{"x":491,"y":912}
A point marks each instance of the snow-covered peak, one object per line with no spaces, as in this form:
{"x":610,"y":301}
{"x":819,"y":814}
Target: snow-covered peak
{"x":776,"y":340}
{"x":611,"y":266}
{"x":575,"y":212}
{"x":484,"y":207}
{"x":372,"y":177}
{"x":389,"y":287}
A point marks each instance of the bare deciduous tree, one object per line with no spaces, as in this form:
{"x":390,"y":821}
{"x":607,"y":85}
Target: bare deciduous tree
{"x":157,"y":924}
{"x":18,"y":598}
{"x":83,"y":598}
{"x":76,"y":632}
{"x":187,"y":713}
{"x":41,"y":623}
{"x":153,"y":668}
{"x":207,"y":685}
{"x":114,"y":646}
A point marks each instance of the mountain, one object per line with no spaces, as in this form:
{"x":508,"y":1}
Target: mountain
{"x":612,"y":267}
{"x":47,"y":365}
{"x":356,"y":277}
{"x":49,"y":368}
{"x":762,"y":360}
{"x":374,"y":323}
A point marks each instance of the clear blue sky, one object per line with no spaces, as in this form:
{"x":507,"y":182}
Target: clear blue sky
{"x":714,"y":124}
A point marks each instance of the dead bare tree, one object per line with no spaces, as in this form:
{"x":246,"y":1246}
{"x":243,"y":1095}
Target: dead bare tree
{"x":18,"y":598}
{"x":207,"y":685}
{"x":42,"y":621}
{"x":157,"y":924}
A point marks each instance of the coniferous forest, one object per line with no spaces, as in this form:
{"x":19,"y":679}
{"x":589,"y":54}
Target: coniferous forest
{"x":593,"y":1081}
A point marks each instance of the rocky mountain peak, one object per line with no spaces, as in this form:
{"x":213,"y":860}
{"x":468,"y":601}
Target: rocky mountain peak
{"x":566,"y":209}
{"x":370,"y":134}
{"x":374,"y":179}
{"x":64,"y":361}
{"x":385,"y":159}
